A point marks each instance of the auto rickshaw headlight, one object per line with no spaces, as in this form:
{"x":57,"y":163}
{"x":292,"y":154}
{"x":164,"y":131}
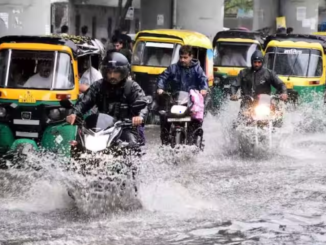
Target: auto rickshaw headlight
{"x":217,"y":81}
{"x":3,"y":112}
{"x":56,"y":114}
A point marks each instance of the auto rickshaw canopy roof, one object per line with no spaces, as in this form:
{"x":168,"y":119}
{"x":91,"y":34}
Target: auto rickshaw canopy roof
{"x":310,"y":40}
{"x":79,"y":45}
{"x":190,"y":38}
{"x":239,"y":34}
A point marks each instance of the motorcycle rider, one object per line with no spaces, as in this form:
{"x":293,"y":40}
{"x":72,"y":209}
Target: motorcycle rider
{"x":257,"y":80}
{"x":185,"y":75}
{"x":114,"y":95}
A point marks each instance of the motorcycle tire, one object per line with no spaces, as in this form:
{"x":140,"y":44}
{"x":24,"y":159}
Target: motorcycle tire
{"x":178,"y":138}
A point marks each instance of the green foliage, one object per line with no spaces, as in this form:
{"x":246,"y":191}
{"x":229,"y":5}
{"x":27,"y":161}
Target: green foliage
{"x":74,"y":39}
{"x":231,"y":5}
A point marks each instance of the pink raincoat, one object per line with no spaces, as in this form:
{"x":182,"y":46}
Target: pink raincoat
{"x":198,"y":106}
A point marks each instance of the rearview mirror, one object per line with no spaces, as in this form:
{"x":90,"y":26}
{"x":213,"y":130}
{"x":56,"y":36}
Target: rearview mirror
{"x":149,"y":99}
{"x":66,"y":103}
{"x":139,"y":105}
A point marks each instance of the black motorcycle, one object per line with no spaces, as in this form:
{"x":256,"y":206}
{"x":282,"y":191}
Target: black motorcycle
{"x":100,"y":135}
{"x":183,"y":129}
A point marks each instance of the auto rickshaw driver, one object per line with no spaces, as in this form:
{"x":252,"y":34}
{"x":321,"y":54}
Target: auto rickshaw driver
{"x":232,"y":58}
{"x":43,"y":78}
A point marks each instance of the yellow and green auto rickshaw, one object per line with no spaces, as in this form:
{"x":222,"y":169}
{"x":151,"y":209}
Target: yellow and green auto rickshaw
{"x":155,"y":50}
{"x":232,"y":53}
{"x":299,"y":61}
{"x":36,"y":73}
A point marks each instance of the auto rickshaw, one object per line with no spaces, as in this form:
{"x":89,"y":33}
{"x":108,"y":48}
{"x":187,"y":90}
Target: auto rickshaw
{"x":299,"y":61}
{"x":155,"y":50}
{"x":232,"y":52}
{"x":36,"y":73}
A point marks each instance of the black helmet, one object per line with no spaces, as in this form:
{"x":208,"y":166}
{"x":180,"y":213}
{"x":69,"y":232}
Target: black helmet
{"x":257,"y":56}
{"x":116,"y":61}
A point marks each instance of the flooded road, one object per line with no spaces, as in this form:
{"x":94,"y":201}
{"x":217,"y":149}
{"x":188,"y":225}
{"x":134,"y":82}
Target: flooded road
{"x":216,"y":197}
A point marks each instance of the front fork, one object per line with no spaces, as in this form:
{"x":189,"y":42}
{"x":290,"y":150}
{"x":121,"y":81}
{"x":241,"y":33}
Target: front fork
{"x":270,"y":132}
{"x":179,"y":132}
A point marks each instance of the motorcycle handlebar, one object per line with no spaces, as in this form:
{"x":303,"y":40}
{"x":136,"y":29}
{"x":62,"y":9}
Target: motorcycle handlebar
{"x":276,"y":96}
{"x":165,"y":93}
{"x":124,"y":123}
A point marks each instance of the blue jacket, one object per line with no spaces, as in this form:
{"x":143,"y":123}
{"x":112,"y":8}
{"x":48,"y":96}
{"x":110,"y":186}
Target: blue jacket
{"x":179,"y":78}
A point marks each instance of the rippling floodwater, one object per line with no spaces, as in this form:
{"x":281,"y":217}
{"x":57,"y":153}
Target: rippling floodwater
{"x":217,"y":197}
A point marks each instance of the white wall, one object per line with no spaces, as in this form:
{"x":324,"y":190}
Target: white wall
{"x":266,"y":11}
{"x":149,"y":11}
{"x":204,"y":16}
{"x":289,"y":8}
{"x":26,"y":17}
{"x":102,"y":14}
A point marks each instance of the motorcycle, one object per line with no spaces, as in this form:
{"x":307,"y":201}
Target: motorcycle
{"x":183,"y":128}
{"x":99,"y":135}
{"x":263,"y":115}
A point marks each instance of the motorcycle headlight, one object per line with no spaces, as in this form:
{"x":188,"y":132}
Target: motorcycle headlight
{"x":262,"y":111}
{"x":3,"y":112}
{"x":217,"y":80}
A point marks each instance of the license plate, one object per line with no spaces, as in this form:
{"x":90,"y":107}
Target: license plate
{"x":27,"y":98}
{"x":26,"y":134}
{"x":185,"y":119}
{"x":227,"y":86}
{"x":26,"y":122}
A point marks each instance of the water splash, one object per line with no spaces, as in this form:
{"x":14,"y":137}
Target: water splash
{"x":187,"y":203}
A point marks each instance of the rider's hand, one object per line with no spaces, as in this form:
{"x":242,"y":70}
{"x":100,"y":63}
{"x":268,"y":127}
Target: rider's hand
{"x":160,"y":91}
{"x":234,"y":97}
{"x":284,"y":97}
{"x":71,"y":119}
{"x":203,"y":92}
{"x":136,"y":121}
{"x":83,"y":88}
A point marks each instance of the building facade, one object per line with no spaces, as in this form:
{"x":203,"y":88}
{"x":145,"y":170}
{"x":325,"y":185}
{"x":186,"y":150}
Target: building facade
{"x":99,"y":16}
{"x":18,"y":17}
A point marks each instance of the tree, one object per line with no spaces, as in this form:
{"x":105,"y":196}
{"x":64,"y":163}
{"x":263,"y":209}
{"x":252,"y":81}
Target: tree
{"x":242,"y":4}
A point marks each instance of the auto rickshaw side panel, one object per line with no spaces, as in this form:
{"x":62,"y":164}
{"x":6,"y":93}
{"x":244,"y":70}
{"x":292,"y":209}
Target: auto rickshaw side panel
{"x":58,"y":138}
{"x":7,"y":138}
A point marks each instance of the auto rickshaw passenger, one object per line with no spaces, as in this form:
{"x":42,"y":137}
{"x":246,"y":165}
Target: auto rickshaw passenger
{"x":161,"y":57}
{"x":89,"y":74}
{"x":233,"y":59}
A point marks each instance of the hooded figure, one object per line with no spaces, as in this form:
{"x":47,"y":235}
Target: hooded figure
{"x":257,"y":80}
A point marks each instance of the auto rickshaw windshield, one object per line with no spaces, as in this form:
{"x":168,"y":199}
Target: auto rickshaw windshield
{"x":155,"y":54}
{"x":295,"y":62}
{"x":36,"y":70}
{"x":231,"y":54}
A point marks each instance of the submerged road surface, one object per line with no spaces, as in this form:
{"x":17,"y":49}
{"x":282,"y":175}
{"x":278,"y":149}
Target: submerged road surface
{"x":217,"y":197}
